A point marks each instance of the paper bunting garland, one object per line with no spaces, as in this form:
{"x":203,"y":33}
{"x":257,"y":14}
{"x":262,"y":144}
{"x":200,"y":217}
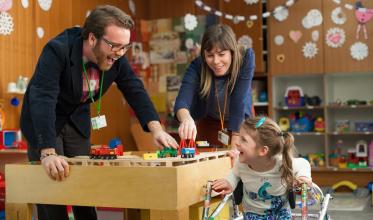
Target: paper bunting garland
{"x":335,"y":37}
{"x":132,"y":6}
{"x":45,"y":5}
{"x":359,"y":51}
{"x":281,"y":14}
{"x":251,"y":2}
{"x":310,"y":50}
{"x":238,"y":18}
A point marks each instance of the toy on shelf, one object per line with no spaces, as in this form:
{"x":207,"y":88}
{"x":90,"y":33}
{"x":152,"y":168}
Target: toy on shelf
{"x":300,"y":122}
{"x":342,"y":126}
{"x":371,"y":154}
{"x":294,"y":96}
{"x":362,"y":153}
{"x":284,"y":123}
{"x":366,"y":126}
{"x":12,"y":139}
{"x":167,"y":152}
{"x":202,"y":144}
{"x":336,"y":154}
{"x":317,"y":160}
{"x":2,"y":192}
{"x":187,"y":151}
{"x":106,"y":152}
{"x":319,"y":125}
{"x":312,"y":101}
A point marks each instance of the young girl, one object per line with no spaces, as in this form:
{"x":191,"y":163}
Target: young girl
{"x":266,"y":168}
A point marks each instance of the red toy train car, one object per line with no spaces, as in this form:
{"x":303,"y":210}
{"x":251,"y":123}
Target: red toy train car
{"x":105,"y":152}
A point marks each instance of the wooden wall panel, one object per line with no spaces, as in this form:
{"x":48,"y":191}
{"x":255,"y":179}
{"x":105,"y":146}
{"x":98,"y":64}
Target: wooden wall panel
{"x":255,"y":32}
{"x":294,"y":62}
{"x":339,"y":59}
{"x":16,"y":57}
{"x":53,"y":22}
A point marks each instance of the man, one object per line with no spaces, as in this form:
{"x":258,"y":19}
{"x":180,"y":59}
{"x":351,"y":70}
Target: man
{"x":73,"y":70}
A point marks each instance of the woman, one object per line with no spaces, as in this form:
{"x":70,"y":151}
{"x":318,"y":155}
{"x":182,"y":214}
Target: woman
{"x":216,"y":89}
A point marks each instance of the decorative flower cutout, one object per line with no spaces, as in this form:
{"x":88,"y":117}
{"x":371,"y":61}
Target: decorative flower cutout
{"x":6,"y":23}
{"x":315,"y":35}
{"x":246,"y":41}
{"x":281,"y":13}
{"x":40,"y":32}
{"x":45,"y":4}
{"x":335,"y":37}
{"x":279,"y":40}
{"x":338,"y":16}
{"x":359,"y":51}
{"x":310,"y":50}
{"x":251,"y":2}
{"x":190,"y":22}
{"x":5,"y":5}
{"x":312,"y":19}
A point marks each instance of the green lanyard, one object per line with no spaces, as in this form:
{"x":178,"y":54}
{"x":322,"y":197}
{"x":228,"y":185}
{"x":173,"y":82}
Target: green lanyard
{"x":98,"y":106}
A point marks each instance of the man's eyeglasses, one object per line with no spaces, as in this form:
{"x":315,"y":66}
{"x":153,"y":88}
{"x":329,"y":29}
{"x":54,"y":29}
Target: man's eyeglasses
{"x":117,"y":48}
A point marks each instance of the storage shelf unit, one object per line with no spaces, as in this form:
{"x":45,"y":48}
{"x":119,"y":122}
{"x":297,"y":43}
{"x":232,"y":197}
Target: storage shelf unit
{"x":332,"y":89}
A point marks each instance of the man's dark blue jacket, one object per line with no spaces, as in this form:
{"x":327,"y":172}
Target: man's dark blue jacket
{"x":53,"y":96}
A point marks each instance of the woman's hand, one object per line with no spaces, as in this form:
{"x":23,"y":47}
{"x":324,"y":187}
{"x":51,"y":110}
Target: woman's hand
{"x":161,"y":138}
{"x":222,"y":186}
{"x":188,"y":129}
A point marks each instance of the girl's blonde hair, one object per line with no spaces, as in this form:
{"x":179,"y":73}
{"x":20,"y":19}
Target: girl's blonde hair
{"x":222,"y":37}
{"x":266,"y":132}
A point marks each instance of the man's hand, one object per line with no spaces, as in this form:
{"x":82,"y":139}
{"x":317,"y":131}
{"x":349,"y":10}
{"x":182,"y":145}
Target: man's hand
{"x":161,"y":138}
{"x":56,"y":167}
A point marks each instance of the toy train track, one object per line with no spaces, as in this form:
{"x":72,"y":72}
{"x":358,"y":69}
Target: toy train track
{"x":138,"y":161}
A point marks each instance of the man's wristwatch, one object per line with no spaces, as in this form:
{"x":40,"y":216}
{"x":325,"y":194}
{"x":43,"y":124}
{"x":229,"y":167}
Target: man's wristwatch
{"x":47,"y":155}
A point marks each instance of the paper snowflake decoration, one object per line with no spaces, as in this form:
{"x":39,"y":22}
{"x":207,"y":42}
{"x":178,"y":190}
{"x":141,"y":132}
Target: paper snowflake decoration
{"x":310,"y":50}
{"x":6,"y":23}
{"x":359,"y":51}
{"x":281,"y":13}
{"x":338,"y":16}
{"x":40,"y":32}
{"x":45,"y":4}
{"x":251,"y":2}
{"x":335,"y":37}
{"x":190,"y":22}
{"x":246,"y":41}
{"x":189,"y":43}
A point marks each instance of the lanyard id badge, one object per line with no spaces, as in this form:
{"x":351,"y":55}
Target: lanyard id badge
{"x":223,"y":137}
{"x":98,"y":122}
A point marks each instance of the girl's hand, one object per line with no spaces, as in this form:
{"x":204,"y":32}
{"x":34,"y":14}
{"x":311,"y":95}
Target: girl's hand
{"x":302,"y":179}
{"x":222,"y":186}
